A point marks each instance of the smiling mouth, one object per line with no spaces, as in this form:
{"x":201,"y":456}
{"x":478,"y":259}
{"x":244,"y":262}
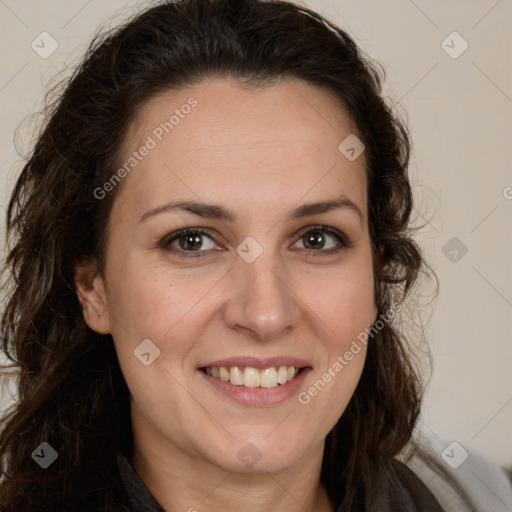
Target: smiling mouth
{"x":252,"y":377}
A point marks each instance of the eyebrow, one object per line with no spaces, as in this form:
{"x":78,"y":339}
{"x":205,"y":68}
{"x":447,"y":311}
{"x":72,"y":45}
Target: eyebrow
{"x":214,"y":211}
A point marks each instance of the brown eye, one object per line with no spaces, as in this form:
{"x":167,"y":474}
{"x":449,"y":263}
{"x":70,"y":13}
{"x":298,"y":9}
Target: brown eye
{"x":188,"y":240}
{"x":315,"y":240}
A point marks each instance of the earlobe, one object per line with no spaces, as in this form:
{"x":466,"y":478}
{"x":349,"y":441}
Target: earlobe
{"x":90,"y":290}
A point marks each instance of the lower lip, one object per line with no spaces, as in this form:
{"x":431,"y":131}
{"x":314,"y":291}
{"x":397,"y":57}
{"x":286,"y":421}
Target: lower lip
{"x":258,"y":396}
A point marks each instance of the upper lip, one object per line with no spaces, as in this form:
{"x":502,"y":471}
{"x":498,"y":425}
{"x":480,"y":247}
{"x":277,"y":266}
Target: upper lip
{"x":258,"y":363}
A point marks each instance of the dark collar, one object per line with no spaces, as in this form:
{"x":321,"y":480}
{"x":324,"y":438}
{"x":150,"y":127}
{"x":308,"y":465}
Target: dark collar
{"x":138,"y":497}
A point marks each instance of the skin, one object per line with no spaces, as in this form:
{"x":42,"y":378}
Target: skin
{"x":260,"y":153}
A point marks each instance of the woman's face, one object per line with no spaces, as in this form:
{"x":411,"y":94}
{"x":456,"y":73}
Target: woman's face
{"x":258,"y":285}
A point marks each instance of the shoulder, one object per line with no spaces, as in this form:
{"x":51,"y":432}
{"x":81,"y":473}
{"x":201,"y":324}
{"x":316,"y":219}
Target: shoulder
{"x":403,"y":490}
{"x":461,"y":477}
{"x":396,"y":488}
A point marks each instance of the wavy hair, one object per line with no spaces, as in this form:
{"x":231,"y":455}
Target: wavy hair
{"x":71,"y":391}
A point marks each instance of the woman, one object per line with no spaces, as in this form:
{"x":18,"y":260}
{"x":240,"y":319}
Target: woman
{"x":210,"y":249}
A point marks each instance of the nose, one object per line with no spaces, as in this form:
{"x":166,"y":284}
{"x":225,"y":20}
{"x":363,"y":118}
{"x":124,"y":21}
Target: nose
{"x":262,"y":302}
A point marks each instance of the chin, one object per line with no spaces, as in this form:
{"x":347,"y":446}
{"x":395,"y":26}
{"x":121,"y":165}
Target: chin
{"x":263,"y":454}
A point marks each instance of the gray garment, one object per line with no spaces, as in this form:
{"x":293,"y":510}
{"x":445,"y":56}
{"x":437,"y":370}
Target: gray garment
{"x":460,"y":477}
{"x":407,"y":493}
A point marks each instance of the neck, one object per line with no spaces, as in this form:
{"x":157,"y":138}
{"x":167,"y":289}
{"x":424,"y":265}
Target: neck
{"x":180,"y":482}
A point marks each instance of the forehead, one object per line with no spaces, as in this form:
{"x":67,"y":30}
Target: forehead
{"x":217,"y":141}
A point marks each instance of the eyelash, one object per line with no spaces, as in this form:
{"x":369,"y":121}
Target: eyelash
{"x":344,"y":242}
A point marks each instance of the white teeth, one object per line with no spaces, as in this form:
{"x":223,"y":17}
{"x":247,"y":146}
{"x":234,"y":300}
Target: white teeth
{"x":282,"y":375}
{"x":251,"y":377}
{"x":224,"y":374}
{"x":268,"y":378}
{"x":235,"y":376}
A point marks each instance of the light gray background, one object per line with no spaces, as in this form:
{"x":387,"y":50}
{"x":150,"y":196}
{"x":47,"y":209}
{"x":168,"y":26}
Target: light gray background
{"x":460,"y":116}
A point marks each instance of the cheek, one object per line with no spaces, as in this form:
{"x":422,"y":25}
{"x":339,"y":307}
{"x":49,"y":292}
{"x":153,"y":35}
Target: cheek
{"x":345,"y":308}
{"x":345,"y":303}
{"x":165,"y":306}
{"x":148,"y":300}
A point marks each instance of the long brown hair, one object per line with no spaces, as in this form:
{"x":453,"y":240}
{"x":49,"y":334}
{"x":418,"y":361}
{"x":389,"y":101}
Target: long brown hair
{"x":72,"y":393}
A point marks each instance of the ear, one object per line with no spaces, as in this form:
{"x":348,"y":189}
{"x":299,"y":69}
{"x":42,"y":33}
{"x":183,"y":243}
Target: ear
{"x":90,"y":290}
{"x":382,"y":267}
